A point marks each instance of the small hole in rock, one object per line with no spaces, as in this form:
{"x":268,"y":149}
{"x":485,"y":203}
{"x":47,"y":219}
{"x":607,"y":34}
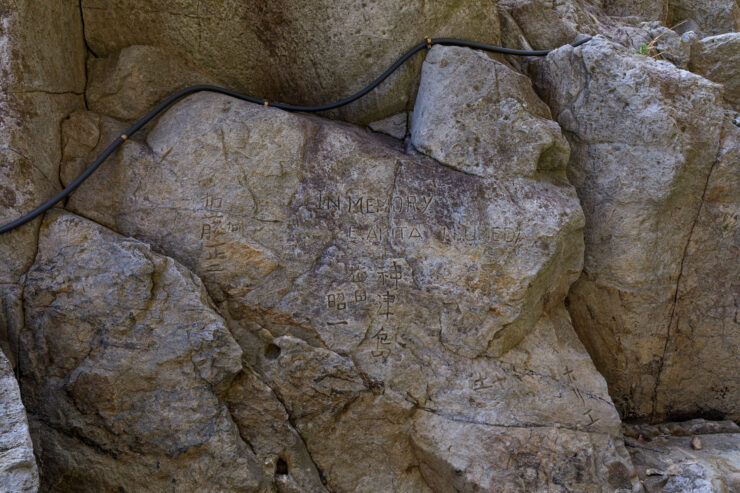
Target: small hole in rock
{"x":272,"y":351}
{"x":281,"y":468}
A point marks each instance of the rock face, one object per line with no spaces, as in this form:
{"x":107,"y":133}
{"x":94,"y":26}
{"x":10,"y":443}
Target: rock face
{"x":43,"y":79}
{"x":498,"y":127}
{"x":244,"y":299}
{"x":699,"y":370}
{"x":129,"y":83}
{"x":695,"y":456}
{"x":644,"y":138}
{"x":407,"y":312}
{"x":717,"y":58}
{"x":648,"y":10}
{"x":299,"y":52}
{"x":18,"y":472}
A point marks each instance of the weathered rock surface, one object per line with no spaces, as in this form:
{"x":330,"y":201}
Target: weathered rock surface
{"x":129,"y":83}
{"x":696,"y":456}
{"x":42,"y":78}
{"x":702,"y":352}
{"x":707,"y":17}
{"x":408,"y":315}
{"x":300,"y":52}
{"x":122,"y":362}
{"x":644,"y":137}
{"x":396,"y":126}
{"x":654,"y":10}
{"x":18,"y":472}
{"x":493,"y":126}
{"x":663,"y":43}
{"x":718,"y":59}
{"x":545,"y":24}
{"x":305,"y":305}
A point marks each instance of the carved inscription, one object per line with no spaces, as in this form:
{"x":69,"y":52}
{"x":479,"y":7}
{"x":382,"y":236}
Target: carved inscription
{"x":568,"y":373}
{"x":365,"y":204}
{"x":212,"y":233}
{"x":375,"y":289}
{"x":217,"y":223}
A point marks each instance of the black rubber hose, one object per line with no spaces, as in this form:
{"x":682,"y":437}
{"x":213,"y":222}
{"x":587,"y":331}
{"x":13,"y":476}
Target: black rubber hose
{"x":245,"y":97}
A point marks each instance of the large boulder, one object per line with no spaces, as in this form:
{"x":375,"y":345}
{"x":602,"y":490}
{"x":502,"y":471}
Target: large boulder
{"x":407,"y":312}
{"x":18,"y":472}
{"x":125,"y":367}
{"x":644,"y":137}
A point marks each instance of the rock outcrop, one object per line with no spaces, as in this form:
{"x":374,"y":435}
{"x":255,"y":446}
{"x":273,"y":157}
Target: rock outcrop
{"x":363,"y":282}
{"x":245,"y":299}
{"x":645,"y":137}
{"x":18,"y":471}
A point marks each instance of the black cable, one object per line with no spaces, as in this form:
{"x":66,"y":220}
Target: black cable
{"x":427,"y":43}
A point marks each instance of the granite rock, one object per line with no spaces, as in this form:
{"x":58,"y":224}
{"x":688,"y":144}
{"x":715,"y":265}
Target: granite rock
{"x":123,"y":360}
{"x":706,"y":17}
{"x":644,"y":137}
{"x":408,"y":315}
{"x":700,"y":359}
{"x":396,"y":126}
{"x":479,"y":116}
{"x":127,"y":84}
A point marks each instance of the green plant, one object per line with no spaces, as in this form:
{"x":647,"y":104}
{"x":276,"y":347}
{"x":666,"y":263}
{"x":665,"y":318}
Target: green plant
{"x":650,"y":48}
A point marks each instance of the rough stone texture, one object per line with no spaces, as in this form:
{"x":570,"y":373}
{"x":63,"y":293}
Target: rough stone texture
{"x":545,"y":24}
{"x":122,"y":360}
{"x":681,"y":457}
{"x":643,"y":431}
{"x":42,"y":78}
{"x":265,"y":426}
{"x":304,"y":51}
{"x":702,"y":353}
{"x":718,"y":59}
{"x":408,"y":315}
{"x":18,"y":472}
{"x":396,"y":126}
{"x":129,"y":83}
{"x":709,"y":17}
{"x":644,"y":136}
{"x":495,"y":126}
{"x":665,"y":44}
{"x":385,"y":319}
{"x":654,"y":10}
